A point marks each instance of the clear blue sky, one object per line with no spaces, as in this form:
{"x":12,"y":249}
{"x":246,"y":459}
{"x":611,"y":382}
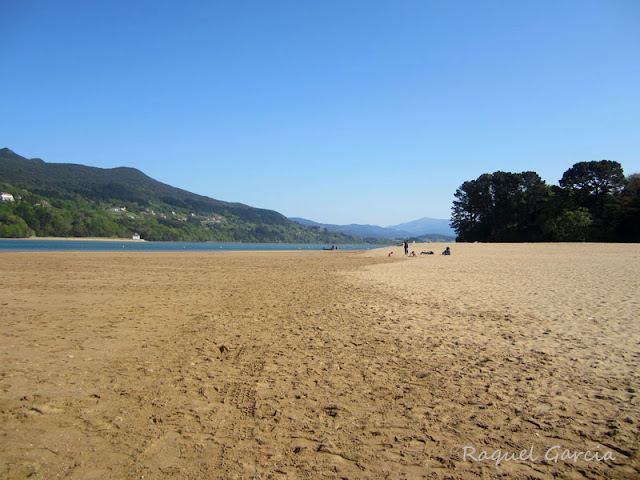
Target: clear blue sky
{"x":338,"y":111}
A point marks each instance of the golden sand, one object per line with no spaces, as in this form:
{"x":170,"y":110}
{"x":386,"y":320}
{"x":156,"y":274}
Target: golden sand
{"x":309,"y":365}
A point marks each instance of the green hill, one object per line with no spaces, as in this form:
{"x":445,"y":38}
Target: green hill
{"x":69,"y":200}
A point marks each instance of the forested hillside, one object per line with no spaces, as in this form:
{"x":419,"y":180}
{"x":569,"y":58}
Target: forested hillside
{"x":68,"y":200}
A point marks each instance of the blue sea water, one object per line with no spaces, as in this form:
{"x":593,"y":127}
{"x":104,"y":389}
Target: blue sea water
{"x":7,"y":245}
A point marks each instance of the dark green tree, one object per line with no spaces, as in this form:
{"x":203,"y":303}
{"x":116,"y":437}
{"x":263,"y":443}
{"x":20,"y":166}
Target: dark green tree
{"x":535,"y":196}
{"x":570,"y":226}
{"x":628,"y":224}
{"x":472,"y":209}
{"x":500,"y":207}
{"x":507,"y":193}
{"x":594,"y":178}
{"x":12,"y":226}
{"x":596,"y":186}
{"x":25,"y":211}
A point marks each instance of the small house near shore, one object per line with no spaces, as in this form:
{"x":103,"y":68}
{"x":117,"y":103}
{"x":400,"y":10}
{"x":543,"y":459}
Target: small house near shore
{"x":135,"y":236}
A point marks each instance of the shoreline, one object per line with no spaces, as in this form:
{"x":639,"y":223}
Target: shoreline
{"x":109,"y":239}
{"x":148,"y":245}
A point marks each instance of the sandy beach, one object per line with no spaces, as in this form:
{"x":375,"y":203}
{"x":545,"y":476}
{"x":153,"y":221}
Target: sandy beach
{"x":517,"y":361}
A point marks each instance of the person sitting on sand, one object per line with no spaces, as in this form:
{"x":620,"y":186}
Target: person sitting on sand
{"x":447,"y":251}
{"x":413,"y":254}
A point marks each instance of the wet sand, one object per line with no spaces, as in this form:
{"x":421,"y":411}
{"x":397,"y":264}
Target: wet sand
{"x":322,"y":364}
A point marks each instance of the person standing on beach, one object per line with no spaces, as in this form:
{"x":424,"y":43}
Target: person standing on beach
{"x":406,"y":247}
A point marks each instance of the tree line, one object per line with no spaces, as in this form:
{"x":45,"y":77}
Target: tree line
{"x":593,"y":202}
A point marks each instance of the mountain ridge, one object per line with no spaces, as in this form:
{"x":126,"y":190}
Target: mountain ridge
{"x":74,"y":200}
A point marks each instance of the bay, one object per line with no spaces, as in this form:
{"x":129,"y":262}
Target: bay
{"x":22,"y":245}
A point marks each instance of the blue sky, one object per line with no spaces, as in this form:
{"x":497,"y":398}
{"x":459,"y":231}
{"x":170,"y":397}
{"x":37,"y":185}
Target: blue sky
{"x":338,"y":111}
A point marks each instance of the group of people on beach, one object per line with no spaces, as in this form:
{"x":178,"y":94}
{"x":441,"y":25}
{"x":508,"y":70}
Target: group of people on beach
{"x":447,"y":251}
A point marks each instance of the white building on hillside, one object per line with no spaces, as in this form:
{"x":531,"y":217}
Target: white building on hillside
{"x":6,"y":197}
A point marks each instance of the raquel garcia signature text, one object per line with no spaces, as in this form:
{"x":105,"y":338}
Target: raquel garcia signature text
{"x":554,"y":454}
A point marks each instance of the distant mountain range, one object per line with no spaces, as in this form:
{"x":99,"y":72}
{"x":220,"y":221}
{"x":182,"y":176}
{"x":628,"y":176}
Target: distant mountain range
{"x":426,"y":229}
{"x":426,"y":226}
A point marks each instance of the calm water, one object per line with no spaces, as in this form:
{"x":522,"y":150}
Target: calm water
{"x":104,"y":246}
